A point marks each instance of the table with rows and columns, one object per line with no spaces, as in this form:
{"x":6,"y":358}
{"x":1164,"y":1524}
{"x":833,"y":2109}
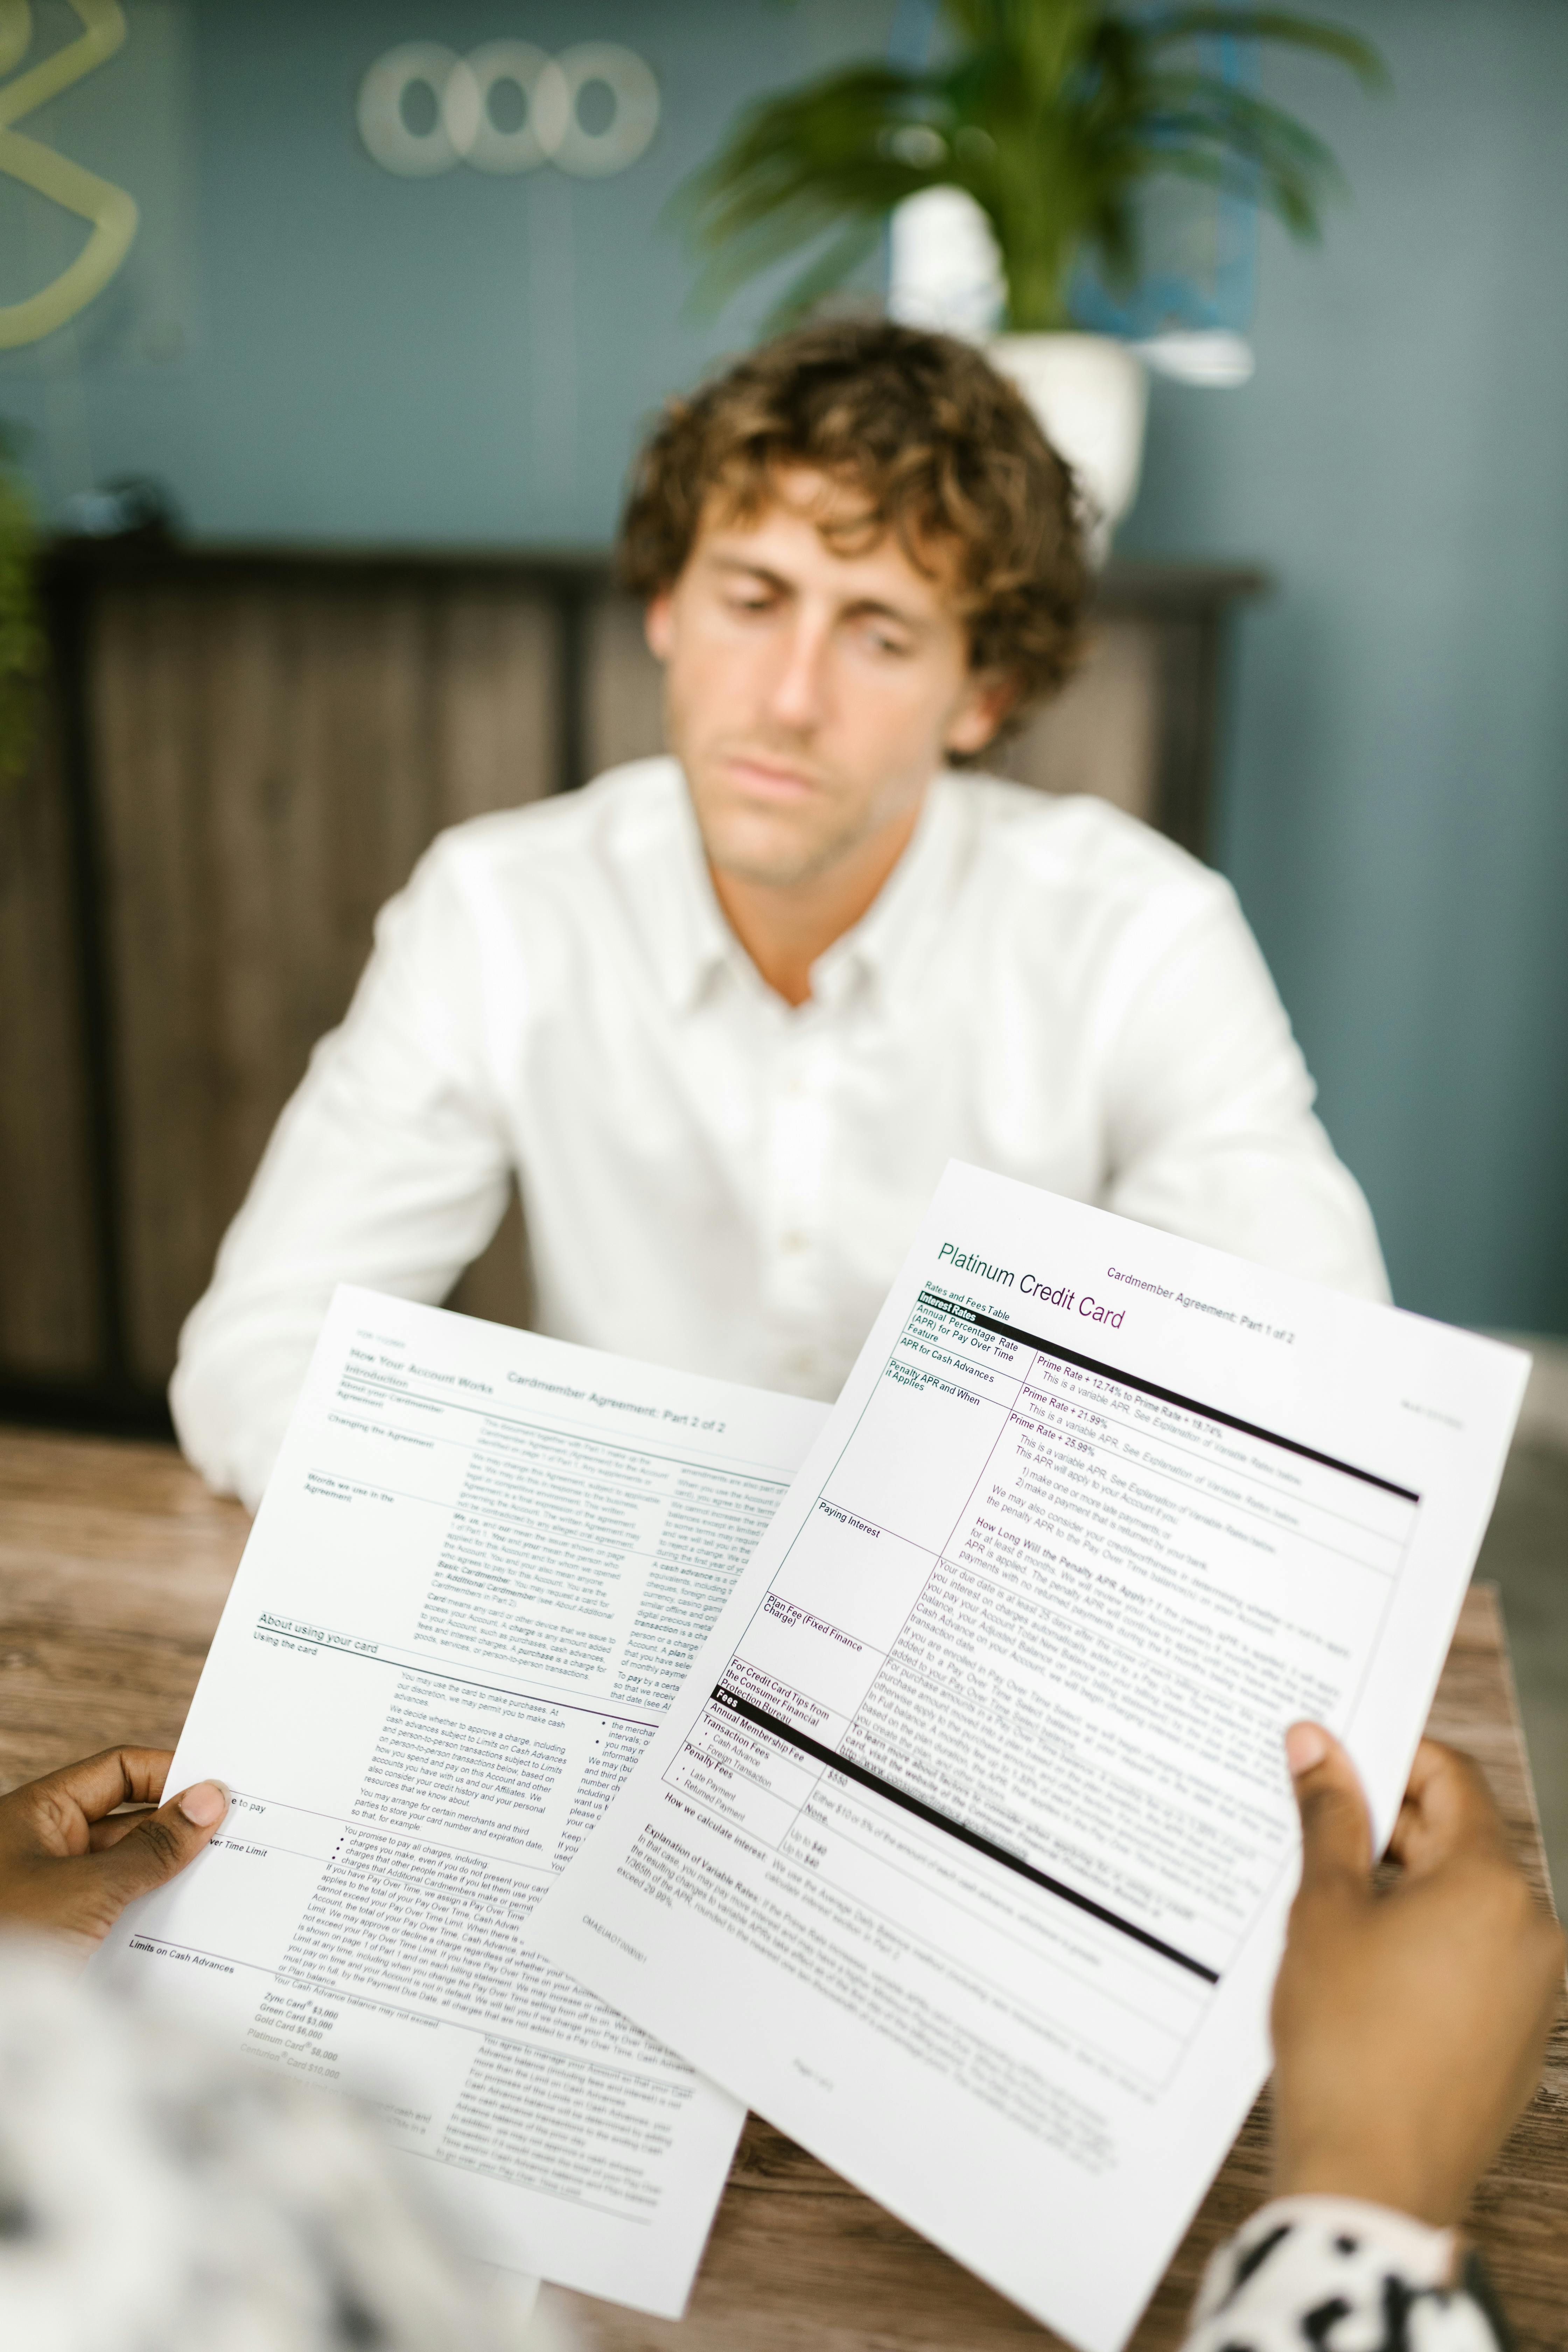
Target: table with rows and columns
{"x":114,"y":1564}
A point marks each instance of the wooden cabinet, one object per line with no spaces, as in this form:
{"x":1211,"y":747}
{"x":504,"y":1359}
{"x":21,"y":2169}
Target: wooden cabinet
{"x":242,"y":754}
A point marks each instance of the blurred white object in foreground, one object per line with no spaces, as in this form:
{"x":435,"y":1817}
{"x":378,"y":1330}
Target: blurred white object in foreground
{"x":155,"y":2189}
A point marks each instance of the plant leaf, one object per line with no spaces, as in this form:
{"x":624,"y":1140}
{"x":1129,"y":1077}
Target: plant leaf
{"x":1053,"y":114}
{"x":1337,"y":41}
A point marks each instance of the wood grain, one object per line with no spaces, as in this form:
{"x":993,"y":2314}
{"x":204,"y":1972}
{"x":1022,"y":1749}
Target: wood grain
{"x":623,"y":697}
{"x":114,"y":1564}
{"x":1102,"y":735}
{"x":274,"y":753}
{"x":49,"y":1322}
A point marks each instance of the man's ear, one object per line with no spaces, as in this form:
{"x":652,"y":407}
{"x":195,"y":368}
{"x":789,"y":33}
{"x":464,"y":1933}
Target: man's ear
{"x":659,"y":625}
{"x":985,"y":704}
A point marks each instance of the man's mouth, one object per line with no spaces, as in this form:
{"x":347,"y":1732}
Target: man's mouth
{"x":764,"y":778}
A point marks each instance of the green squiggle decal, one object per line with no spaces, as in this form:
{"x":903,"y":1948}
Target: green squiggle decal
{"x":111,"y":212}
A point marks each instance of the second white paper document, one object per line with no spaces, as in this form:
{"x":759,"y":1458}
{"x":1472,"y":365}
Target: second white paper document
{"x":482,"y":1567}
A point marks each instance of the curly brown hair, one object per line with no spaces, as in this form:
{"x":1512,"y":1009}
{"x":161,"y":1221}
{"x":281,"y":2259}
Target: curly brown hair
{"x":942,"y":450}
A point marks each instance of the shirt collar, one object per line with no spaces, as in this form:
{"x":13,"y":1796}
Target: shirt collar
{"x":692,"y":943}
{"x":892,"y":938}
{"x":689,"y":939}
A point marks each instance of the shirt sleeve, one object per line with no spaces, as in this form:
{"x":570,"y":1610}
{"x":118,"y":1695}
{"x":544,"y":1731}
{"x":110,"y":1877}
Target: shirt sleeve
{"x":1332,"y":2274}
{"x":389,"y":1167}
{"x":1211,"y":1132}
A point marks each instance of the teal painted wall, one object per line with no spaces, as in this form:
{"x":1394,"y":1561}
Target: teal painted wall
{"x":1397,"y":804}
{"x":336,"y":354}
{"x":458,"y":359}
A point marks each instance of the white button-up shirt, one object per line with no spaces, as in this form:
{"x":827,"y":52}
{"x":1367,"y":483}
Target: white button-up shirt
{"x":714,"y":1180}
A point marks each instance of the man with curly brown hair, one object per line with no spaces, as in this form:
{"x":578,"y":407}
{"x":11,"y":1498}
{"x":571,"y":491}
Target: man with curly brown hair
{"x":727,"y":1014}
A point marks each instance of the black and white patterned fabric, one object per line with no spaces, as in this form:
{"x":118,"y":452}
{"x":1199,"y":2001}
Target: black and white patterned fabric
{"x":1331,"y":2274}
{"x":154,"y":2194}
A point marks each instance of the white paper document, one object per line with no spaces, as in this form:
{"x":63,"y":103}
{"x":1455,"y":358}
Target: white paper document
{"x":479,"y":1576}
{"x":963,"y":1854}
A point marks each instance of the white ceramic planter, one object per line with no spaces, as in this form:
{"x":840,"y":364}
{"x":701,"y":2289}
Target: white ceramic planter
{"x":1090,"y":394}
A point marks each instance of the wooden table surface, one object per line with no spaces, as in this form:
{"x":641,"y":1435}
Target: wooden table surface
{"x":114,"y":1563}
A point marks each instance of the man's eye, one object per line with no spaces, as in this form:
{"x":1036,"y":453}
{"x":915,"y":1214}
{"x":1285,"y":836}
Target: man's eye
{"x":751,"y":604}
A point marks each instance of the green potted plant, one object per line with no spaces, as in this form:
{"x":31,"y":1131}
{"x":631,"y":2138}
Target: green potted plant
{"x":1049,"y":118}
{"x":21,"y":642}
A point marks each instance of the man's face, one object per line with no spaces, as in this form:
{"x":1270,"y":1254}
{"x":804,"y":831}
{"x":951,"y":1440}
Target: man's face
{"x":810,"y":695}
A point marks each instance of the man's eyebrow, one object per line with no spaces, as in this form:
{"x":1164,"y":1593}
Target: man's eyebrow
{"x":744,"y":563}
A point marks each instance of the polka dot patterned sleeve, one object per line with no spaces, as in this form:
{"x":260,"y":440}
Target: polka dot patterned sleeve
{"x":1329,"y":2274}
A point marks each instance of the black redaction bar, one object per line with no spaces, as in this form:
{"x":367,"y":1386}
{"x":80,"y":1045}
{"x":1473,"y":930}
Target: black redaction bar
{"x":1147,"y":1388}
{"x":853,"y":1771}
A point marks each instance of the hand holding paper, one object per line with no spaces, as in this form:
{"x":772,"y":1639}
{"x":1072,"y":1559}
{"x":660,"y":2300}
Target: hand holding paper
{"x":1409,"y":2026}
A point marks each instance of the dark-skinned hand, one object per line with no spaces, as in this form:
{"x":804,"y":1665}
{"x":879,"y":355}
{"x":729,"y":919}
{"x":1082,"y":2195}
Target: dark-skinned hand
{"x":1409,"y":2021}
{"x":69,"y":1862}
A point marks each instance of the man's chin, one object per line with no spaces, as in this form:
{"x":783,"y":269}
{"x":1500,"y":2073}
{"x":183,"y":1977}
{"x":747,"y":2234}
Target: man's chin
{"x":775,"y":871}
{"x":765,"y":852}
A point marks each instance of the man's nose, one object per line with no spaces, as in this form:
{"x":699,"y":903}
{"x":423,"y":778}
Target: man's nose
{"x":799,"y":683}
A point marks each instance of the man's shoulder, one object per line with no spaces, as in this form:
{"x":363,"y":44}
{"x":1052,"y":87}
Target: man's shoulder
{"x":1074,"y":844}
{"x":623,"y":813}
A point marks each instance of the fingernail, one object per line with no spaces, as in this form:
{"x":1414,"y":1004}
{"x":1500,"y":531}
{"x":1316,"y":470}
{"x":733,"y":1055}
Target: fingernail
{"x":1305,"y":1746}
{"x":205,"y":1803}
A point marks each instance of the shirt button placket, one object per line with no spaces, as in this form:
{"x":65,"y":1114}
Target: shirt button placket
{"x":790,"y":1238}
